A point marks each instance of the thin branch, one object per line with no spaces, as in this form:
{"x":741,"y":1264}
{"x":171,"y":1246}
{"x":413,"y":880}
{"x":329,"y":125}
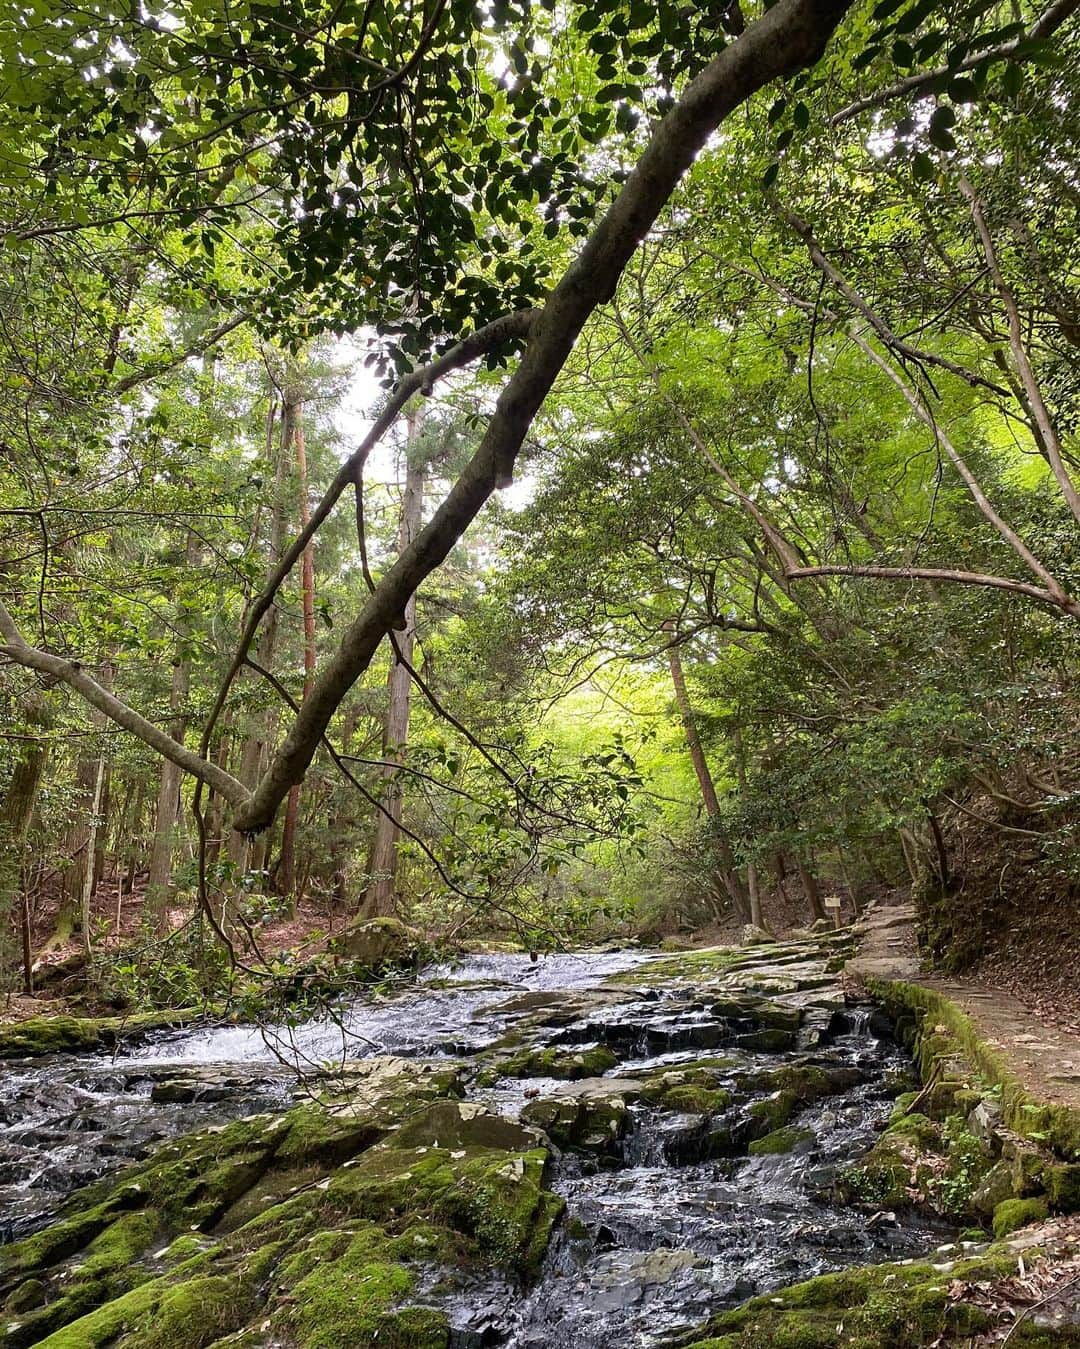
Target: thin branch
{"x":417,"y":381}
{"x":1040,"y":412}
{"x":1048,"y":22}
{"x":972,"y":578}
{"x":889,"y":338}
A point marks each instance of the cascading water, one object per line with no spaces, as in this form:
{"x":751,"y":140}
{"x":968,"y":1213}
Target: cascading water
{"x":664,"y":1225}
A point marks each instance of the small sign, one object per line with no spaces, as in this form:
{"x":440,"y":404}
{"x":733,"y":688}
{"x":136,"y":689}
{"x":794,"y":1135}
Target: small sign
{"x":833,"y":905}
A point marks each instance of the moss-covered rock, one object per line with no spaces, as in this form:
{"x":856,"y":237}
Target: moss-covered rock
{"x":317,"y":1224}
{"x":40,"y":1035}
{"x":951,"y":1051}
{"x":781,"y":1141}
{"x":699,"y":1088}
{"x":908,"y":1306}
{"x":551,"y":1061}
{"x":588,"y":1123}
{"x":1011,"y":1214}
{"x":379,"y":944}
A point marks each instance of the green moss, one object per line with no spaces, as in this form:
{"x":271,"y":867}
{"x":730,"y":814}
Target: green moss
{"x":41,"y":1035}
{"x":920,"y":1131}
{"x":954,"y":1042}
{"x":1011,"y":1214}
{"x":691,"y":1089}
{"x":121,"y":1244}
{"x":772,"y":1112}
{"x":63,"y":1239}
{"x":193,"y":1314}
{"x":593,"y":1125}
{"x":1063,"y":1186}
{"x":553,"y":1062}
{"x":354,"y":1292}
{"x":878,"y":1307}
{"x":780,"y":1140}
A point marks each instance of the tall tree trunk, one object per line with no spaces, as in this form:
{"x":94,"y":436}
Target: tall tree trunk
{"x":287,"y":871}
{"x":244,"y":853}
{"x":729,"y":868}
{"x":90,"y":870}
{"x":168,"y":800}
{"x":378,"y":898}
{"x":16,"y":811}
{"x":752,"y":886}
{"x":810,"y":886}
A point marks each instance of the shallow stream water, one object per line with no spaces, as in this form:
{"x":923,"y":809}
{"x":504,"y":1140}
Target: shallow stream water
{"x":659,"y":1233}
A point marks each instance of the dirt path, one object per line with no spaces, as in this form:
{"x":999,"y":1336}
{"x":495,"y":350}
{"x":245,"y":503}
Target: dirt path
{"x":1046,"y":1059}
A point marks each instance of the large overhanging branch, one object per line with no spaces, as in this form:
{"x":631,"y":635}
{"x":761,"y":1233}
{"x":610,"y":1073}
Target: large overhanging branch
{"x":971,"y":578}
{"x":70,"y":672}
{"x":1046,"y":24}
{"x":789,"y":36}
{"x":488,"y":338}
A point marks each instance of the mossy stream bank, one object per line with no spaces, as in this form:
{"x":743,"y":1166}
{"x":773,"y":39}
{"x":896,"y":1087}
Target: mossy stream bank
{"x":588,"y":1151}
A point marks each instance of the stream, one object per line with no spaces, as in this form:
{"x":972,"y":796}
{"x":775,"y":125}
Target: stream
{"x":668,"y":1225}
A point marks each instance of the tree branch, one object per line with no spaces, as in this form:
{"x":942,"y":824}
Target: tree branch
{"x":1048,"y":22}
{"x":1040,"y":412}
{"x":970,"y":578}
{"x":485,"y":339}
{"x":72,"y":673}
{"x":889,"y":338}
{"x":789,"y":36}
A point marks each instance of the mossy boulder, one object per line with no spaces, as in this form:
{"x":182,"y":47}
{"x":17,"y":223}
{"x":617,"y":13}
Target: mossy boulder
{"x":1011,"y":1214}
{"x":552,"y":1061}
{"x":782,"y":1141}
{"x":313,"y":1231}
{"x":879,"y":1308}
{"x":378,"y":944}
{"x":699,"y":1088}
{"x":587,"y":1123}
{"x":41,"y":1035}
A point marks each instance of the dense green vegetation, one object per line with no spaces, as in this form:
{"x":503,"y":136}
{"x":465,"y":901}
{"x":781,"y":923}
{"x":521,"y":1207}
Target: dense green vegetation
{"x":769,"y":315}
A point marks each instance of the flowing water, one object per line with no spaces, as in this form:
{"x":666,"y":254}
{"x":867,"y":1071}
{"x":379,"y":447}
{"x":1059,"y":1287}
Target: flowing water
{"x":663,"y":1228}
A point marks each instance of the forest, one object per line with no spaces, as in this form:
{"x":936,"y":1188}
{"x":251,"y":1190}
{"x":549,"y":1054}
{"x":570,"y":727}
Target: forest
{"x":577,"y":499}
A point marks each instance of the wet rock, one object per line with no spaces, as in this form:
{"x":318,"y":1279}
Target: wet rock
{"x":209,"y":1083}
{"x":26,"y":1296}
{"x":985,"y":1122}
{"x":550,"y":1061}
{"x":42,"y":1035}
{"x":766,"y":1041}
{"x":594,"y":1124}
{"x":788,"y":1139}
{"x":464,"y":1124}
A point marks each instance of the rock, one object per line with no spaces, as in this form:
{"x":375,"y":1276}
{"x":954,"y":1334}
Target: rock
{"x":995,"y":1187}
{"x":589,"y":1123}
{"x":676,"y":944}
{"x":26,"y":1296}
{"x":766,"y":1041}
{"x":783,"y":1140}
{"x":588,"y":1062}
{"x":1014,"y":1213}
{"x":750,"y":935}
{"x":1063,"y":1186}
{"x":661,"y":1265}
{"x":985,"y":1123}
{"x":378,"y":943}
{"x":464,"y":1124}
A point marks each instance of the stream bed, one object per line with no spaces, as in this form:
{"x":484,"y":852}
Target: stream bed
{"x":677,"y":1210}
